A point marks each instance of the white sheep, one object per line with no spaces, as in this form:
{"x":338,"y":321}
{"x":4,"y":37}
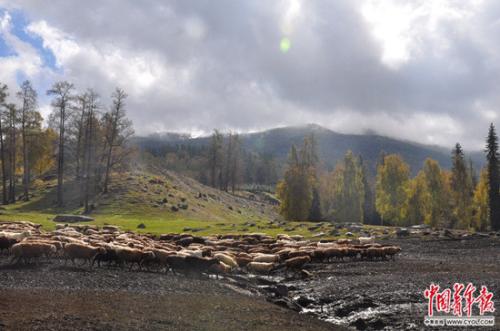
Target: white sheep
{"x":269,"y":258}
{"x":366,"y":240}
{"x":260,"y":267}
{"x":226,"y":259}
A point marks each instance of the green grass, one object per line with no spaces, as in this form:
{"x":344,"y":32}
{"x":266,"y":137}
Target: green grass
{"x":158,"y":225}
{"x":136,"y":199}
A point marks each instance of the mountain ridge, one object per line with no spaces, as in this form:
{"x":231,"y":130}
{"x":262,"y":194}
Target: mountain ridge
{"x":332,"y":146}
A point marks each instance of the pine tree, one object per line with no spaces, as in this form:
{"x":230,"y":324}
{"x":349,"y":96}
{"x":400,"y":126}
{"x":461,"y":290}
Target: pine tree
{"x":461,"y":190}
{"x":493,"y":178}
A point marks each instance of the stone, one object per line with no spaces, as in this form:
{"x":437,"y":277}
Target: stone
{"x":72,"y":218}
{"x":334,"y":232}
{"x":304,"y":301}
{"x":402,"y":232}
{"x":420,"y":226}
{"x":286,"y":304}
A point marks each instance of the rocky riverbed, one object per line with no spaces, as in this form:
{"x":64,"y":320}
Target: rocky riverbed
{"x":357,"y":294}
{"x":389,"y":294}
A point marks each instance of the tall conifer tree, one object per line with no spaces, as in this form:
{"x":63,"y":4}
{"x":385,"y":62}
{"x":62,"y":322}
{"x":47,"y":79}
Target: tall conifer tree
{"x":493,"y":178}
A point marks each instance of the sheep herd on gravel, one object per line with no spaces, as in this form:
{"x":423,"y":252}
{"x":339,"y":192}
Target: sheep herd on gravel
{"x":255,"y":253}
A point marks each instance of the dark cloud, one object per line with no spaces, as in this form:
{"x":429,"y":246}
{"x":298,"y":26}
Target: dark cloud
{"x":431,"y":76}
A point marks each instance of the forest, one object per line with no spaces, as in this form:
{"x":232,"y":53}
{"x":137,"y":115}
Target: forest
{"x":437,"y":197}
{"x":84,"y":141}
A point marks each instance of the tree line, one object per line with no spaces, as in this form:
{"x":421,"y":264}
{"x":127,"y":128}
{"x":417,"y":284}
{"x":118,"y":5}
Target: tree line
{"x":223,"y":163}
{"x":437,"y":197}
{"x":84,"y":141}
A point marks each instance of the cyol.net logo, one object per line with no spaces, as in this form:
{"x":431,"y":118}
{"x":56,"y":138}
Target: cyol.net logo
{"x":459,"y":306}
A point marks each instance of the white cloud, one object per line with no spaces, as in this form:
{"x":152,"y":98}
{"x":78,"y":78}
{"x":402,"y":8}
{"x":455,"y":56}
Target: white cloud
{"x":25,"y":61}
{"x":414,"y":69}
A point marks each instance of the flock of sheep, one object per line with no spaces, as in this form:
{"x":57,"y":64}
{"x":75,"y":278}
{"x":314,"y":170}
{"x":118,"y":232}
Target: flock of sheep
{"x":180,"y":253}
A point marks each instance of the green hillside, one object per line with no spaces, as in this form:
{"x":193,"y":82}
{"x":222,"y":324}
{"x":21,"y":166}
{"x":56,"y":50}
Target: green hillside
{"x":164,"y":202}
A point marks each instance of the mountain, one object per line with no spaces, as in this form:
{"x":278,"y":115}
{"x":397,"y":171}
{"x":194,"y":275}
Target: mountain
{"x":332,"y":146}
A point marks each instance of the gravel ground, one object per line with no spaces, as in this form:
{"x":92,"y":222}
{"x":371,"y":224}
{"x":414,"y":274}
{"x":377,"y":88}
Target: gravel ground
{"x":51,"y":296}
{"x":351,"y":294}
{"x":389,"y":294}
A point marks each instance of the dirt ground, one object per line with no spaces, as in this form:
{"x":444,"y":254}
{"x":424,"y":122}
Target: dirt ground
{"x":54,"y":297}
{"x":351,"y":294}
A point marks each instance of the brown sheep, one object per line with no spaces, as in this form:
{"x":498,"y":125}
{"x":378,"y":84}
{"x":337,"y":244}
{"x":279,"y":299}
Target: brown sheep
{"x":319,"y":254}
{"x":242,"y":260}
{"x":391,"y":251}
{"x":108,"y":255}
{"x":31,"y":250}
{"x":190,"y":264}
{"x":219,"y":269}
{"x":6,"y":243}
{"x":373,"y":253}
{"x":334,"y":252}
{"x":160,"y":258}
{"x":133,"y":256}
{"x":284,"y":253}
{"x":82,"y":252}
{"x":352,"y":252}
{"x":296,"y":263}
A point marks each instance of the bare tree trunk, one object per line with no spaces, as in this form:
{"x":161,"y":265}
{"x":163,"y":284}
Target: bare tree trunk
{"x":88,"y":162}
{"x":108,"y":167}
{"x":102,"y":160}
{"x":4,"y":174}
{"x":60,"y":158}
{"x":26,"y":176}
{"x":12,"y":178}
{"x":229,"y":157}
{"x":62,"y":92}
{"x":78,"y":143}
{"x":84,"y":165}
{"x":110,"y":152}
{"x":212,"y":170}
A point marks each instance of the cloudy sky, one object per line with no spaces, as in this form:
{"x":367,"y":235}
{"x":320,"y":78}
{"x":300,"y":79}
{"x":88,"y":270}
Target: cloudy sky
{"x":427,"y":71}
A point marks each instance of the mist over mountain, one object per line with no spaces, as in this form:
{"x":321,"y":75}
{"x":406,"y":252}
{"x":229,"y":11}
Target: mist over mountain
{"x":332,"y":146}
